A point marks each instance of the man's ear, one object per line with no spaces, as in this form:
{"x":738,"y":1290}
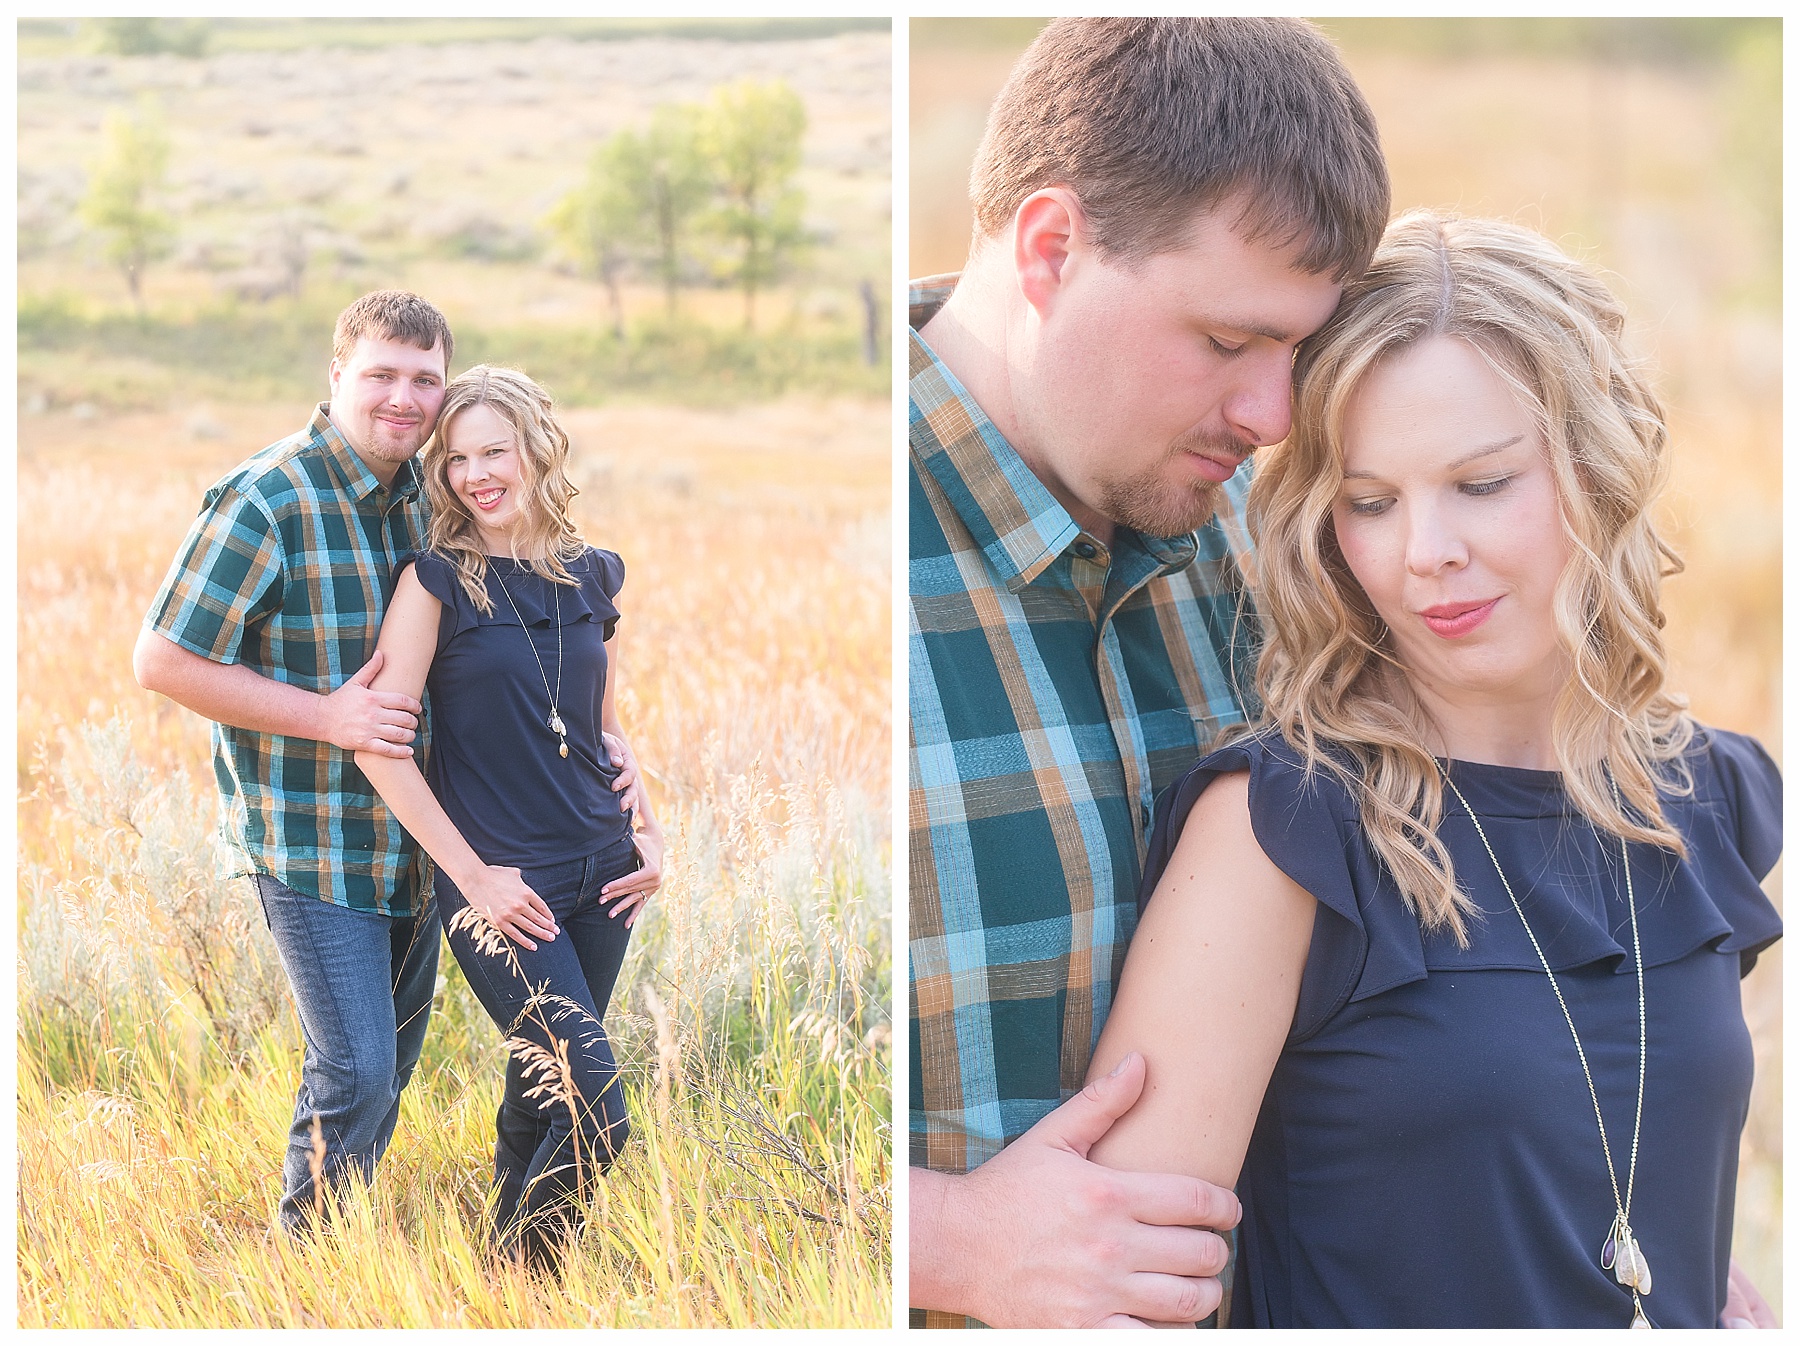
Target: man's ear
{"x":1047,"y":229}
{"x":331,"y":374}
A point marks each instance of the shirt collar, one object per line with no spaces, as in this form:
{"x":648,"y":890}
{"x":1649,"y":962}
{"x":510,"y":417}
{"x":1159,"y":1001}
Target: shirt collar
{"x":1019,"y":525}
{"x":358,"y":480}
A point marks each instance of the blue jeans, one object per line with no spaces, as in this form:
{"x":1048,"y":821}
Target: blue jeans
{"x":362,"y":983}
{"x":548,"y":1148}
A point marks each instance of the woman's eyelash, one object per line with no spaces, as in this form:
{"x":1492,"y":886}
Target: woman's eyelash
{"x":1379,"y":504}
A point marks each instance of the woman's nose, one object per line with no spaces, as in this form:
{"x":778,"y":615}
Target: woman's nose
{"x":1432,"y":544}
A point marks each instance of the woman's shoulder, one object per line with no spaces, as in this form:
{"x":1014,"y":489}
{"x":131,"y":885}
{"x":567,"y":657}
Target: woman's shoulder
{"x":1296,"y":807}
{"x":1736,"y":796}
{"x":598,"y":566}
{"x":1303,"y":817}
{"x":435,"y":570}
{"x":1279,"y":767}
{"x":1732,"y":758}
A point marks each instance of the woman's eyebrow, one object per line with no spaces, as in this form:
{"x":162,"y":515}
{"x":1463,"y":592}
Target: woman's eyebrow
{"x":1464,"y":461}
{"x":1485,"y":450}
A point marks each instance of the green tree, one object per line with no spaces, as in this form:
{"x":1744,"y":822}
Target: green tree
{"x":589,"y":225}
{"x":665,"y":174}
{"x":134,"y":157}
{"x":147,"y":37}
{"x":639,"y":201}
{"x":751,"y":134}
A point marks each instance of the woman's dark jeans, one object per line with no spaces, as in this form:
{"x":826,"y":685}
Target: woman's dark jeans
{"x":549,"y":1146}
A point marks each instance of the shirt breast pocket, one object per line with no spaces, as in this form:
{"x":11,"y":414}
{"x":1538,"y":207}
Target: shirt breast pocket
{"x":1210,"y":728}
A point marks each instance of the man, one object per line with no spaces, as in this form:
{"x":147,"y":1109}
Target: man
{"x":1164,"y":209}
{"x":274,"y":601}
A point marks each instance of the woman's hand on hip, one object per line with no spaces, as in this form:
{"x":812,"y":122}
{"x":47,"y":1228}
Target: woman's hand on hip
{"x":1744,"y":1304}
{"x":631,"y":891}
{"x":504,"y":898}
{"x":626,"y":784}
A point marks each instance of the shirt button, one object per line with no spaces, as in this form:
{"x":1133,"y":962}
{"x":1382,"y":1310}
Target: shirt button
{"x":1086,"y":550}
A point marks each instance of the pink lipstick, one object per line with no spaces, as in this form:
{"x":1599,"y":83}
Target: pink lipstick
{"x":1451,"y":620}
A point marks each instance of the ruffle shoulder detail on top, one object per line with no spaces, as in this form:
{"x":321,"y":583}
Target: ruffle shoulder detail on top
{"x":1566,"y":876}
{"x":1735,"y":834}
{"x":599,"y":577}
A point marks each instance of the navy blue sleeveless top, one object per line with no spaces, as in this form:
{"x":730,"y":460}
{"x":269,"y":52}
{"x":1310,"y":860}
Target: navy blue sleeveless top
{"x":1426,"y":1154}
{"x":494,"y":764}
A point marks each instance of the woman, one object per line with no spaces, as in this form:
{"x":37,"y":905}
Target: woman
{"x":508,"y":621}
{"x":1445,"y":954}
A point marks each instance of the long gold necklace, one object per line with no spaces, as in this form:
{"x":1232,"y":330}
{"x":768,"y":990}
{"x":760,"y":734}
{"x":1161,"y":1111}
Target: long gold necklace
{"x":555,"y":722}
{"x":1620,"y":1253}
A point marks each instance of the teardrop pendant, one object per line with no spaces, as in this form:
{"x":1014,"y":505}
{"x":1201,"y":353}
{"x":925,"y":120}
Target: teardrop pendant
{"x":1626,"y":1261}
{"x":1637,"y":1316}
{"x":562,"y":750}
{"x":1625,"y":1265}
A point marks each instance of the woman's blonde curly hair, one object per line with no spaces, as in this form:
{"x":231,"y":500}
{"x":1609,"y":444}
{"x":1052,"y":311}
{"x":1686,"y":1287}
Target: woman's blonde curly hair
{"x":545,"y":534}
{"x":1328,"y":675}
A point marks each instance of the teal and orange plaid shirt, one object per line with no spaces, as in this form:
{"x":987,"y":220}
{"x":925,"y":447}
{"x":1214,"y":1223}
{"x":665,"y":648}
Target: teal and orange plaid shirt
{"x":288,"y":570}
{"x":1056,"y":686}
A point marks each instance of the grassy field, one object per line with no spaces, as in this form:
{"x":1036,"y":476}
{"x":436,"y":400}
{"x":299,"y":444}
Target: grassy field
{"x":434,"y":167}
{"x":158,"y":1055}
{"x":746,"y":483}
{"x":1652,"y":148}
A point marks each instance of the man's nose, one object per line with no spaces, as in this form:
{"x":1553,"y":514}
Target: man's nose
{"x":1260,"y":408}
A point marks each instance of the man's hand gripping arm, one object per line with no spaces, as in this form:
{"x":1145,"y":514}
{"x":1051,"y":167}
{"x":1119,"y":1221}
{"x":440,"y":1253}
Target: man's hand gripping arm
{"x":354,"y":717}
{"x":1040,"y":1237}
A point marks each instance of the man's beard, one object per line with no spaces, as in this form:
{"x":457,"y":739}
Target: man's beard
{"x":1158,"y":506}
{"x":390,"y":448}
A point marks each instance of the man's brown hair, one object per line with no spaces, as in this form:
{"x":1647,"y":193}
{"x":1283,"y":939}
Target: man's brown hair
{"x":392,"y":315}
{"x":1151,"y":121}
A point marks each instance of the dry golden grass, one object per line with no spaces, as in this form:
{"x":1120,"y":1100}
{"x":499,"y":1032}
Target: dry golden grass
{"x":1652,"y":172}
{"x":158,"y":1050}
{"x":726,"y":519}
{"x":751,"y":1016}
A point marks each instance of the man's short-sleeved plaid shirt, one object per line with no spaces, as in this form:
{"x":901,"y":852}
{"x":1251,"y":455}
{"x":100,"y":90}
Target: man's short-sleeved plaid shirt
{"x":1056,"y":686}
{"x":288,"y":570}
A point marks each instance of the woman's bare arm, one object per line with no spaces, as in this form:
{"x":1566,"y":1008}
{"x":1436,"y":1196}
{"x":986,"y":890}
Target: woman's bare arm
{"x":408,"y":644}
{"x":1207,"y":995}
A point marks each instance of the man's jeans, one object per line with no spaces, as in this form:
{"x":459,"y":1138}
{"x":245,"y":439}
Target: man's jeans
{"x":362,"y":983}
